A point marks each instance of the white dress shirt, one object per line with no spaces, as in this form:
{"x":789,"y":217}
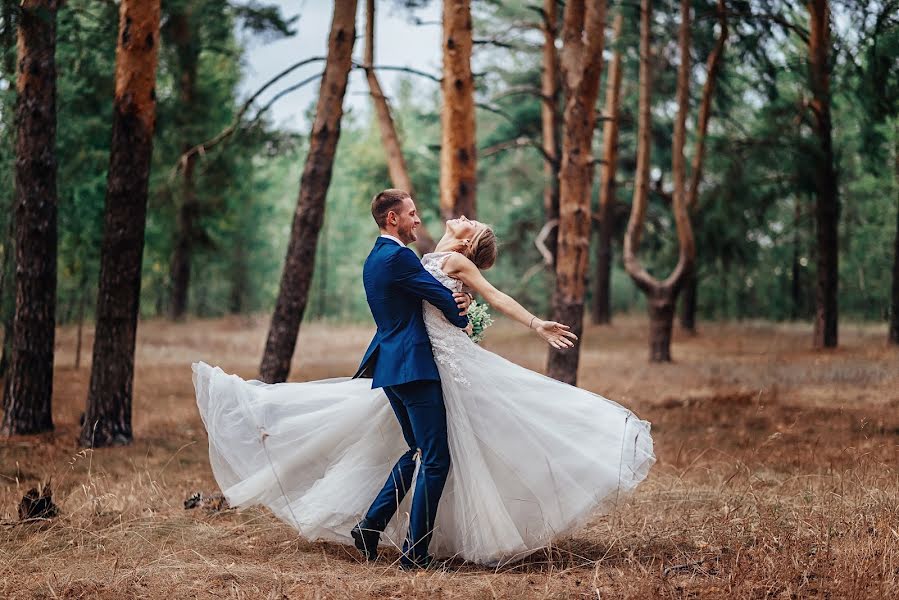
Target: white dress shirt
{"x":390,"y":237}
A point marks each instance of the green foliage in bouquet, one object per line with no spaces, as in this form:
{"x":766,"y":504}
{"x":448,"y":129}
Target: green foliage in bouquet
{"x":480,"y":319}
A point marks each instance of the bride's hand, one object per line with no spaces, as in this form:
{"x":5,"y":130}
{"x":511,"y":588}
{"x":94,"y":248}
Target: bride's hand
{"x":555,"y":334}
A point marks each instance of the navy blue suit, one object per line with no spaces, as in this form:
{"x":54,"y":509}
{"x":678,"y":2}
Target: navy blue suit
{"x":400,"y":360}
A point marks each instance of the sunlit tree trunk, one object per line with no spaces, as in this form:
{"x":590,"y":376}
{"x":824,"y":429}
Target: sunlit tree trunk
{"x":602,"y":307}
{"x":108,"y":416}
{"x":396,"y":163}
{"x":458,"y":154}
{"x":827,"y":200}
{"x":551,"y":121}
{"x":29,"y":384}
{"x":713,"y":67}
{"x":583,"y":36}
{"x":293,"y":293}
{"x":661,"y":295}
{"x":188,"y":53}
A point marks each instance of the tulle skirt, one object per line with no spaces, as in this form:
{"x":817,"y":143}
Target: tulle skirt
{"x":531,"y":458}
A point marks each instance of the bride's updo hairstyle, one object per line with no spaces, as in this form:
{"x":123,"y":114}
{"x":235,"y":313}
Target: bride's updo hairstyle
{"x":481,"y":249}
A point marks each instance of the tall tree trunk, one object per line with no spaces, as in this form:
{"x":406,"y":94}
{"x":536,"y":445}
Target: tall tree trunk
{"x":187,"y":50}
{"x":458,"y":154}
{"x":583,"y":35}
{"x":796,"y":282}
{"x":688,"y":297}
{"x":240,"y":280}
{"x":827,"y":201}
{"x":7,"y":296}
{"x":551,"y":121}
{"x":307,"y":221}
{"x":29,"y":386}
{"x":713,"y":67}
{"x":661,"y":295}
{"x":602,"y":307}
{"x":894,"y":305}
{"x":82,"y":302}
{"x":108,"y":417}
{"x":396,"y":163}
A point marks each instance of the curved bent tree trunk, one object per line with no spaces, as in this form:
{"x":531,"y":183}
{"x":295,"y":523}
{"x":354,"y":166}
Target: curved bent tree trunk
{"x":713,"y":67}
{"x":29,"y":381}
{"x":307,"y":220}
{"x":602,"y":308}
{"x":583,"y":34}
{"x":551,"y":124}
{"x":108,"y":417}
{"x":827,"y":204}
{"x":458,"y":154}
{"x":661,"y":295}
{"x":396,"y":163}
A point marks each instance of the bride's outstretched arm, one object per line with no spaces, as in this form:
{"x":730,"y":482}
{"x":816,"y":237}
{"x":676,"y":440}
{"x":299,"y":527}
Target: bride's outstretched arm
{"x":555,"y":334}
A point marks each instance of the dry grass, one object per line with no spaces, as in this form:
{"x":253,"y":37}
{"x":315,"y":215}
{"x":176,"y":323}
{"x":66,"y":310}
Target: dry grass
{"x":776,"y":478}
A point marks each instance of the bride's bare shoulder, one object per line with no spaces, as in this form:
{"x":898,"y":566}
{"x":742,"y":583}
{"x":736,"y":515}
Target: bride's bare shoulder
{"x":457,"y":263}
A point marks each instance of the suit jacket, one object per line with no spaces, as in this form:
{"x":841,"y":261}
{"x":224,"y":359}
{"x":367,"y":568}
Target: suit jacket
{"x":395,"y":285}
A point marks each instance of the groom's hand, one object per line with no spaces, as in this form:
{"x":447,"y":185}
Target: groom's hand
{"x":463,"y":301}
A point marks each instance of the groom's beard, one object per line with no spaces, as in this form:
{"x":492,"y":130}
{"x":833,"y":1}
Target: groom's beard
{"x":407,"y":235}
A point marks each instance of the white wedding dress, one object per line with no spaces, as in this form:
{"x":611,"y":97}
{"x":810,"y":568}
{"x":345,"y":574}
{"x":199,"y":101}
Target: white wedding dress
{"x":531,"y":458}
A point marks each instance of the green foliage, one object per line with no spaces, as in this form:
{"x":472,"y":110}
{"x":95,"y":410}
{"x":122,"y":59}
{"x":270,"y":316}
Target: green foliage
{"x":754,"y":225}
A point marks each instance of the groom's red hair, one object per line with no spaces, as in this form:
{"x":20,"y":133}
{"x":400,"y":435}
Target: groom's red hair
{"x":386,"y":201}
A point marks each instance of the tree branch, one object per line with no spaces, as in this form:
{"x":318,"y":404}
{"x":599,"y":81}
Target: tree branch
{"x":409,"y":70}
{"x":777,"y":19}
{"x":540,"y":241}
{"x":228,"y":131}
{"x":519,"y":142}
{"x":497,"y":111}
{"x":518,"y":90}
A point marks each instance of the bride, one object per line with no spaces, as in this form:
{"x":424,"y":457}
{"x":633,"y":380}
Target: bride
{"x":531,"y":458}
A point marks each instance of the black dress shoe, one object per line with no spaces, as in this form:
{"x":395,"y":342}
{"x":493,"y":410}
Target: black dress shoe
{"x":366,"y":540}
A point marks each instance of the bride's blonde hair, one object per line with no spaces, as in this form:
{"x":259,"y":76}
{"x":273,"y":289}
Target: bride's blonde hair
{"x":481,"y":248}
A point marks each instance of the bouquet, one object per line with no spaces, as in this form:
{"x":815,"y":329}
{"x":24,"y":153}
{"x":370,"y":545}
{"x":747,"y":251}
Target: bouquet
{"x":480,"y":319}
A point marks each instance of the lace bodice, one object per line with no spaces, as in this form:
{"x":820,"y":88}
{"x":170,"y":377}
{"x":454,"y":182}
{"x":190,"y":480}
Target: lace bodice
{"x":447,"y":340}
{"x":433,"y":264}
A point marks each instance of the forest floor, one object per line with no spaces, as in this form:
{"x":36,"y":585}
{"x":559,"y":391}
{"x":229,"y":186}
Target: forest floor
{"x":776,"y":478}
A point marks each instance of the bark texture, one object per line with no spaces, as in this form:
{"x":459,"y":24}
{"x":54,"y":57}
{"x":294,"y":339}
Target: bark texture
{"x":293,"y":293}
{"x":188,"y":52}
{"x":827,"y":201}
{"x":713,"y":68}
{"x":458,"y":154}
{"x":661,"y":295}
{"x":602,"y":306}
{"x":583,"y":35}
{"x":28,"y":388}
{"x":108,"y":416}
{"x":393,"y":149}
{"x":551,"y":122}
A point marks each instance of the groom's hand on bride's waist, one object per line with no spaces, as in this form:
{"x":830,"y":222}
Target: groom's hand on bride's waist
{"x":463,"y":301}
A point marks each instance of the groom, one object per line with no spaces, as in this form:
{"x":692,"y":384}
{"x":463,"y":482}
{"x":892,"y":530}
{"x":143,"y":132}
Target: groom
{"x":400,"y":360}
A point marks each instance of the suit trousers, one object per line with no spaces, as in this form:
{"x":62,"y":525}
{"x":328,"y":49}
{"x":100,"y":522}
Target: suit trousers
{"x":419,"y":408}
